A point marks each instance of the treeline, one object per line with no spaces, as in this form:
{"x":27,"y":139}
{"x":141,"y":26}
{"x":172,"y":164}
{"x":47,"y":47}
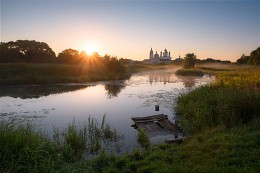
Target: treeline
{"x":27,"y":51}
{"x":252,"y":59}
{"x":211,"y":60}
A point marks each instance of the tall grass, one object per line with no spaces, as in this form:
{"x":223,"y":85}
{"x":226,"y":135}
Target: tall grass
{"x":249,"y":78}
{"x":233,"y":99}
{"x":23,"y":149}
{"x":208,"y":107}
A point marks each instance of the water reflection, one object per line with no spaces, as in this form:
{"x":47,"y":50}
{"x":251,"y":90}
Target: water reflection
{"x":114,"y":88}
{"x":189,"y":81}
{"x":36,"y":91}
{"x":165,"y":78}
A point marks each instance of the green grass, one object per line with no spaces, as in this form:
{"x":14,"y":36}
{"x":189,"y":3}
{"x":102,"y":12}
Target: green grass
{"x":236,"y":150}
{"x":23,"y":149}
{"x":31,"y":74}
{"x":17,"y":74}
{"x":216,"y":150}
{"x":189,"y":72}
{"x":211,"y":106}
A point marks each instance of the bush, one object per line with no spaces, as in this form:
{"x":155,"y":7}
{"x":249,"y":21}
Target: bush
{"x":189,"y":60}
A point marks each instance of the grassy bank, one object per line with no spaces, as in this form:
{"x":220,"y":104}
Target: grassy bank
{"x":189,"y":72}
{"x":219,"y":150}
{"x":232,"y":100}
{"x":30,"y":74}
{"x":16,"y":74}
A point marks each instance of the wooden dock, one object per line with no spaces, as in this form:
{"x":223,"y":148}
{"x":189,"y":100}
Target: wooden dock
{"x":156,"y":125}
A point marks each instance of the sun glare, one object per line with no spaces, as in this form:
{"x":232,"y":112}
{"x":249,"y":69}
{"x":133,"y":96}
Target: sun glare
{"x":90,"y":48}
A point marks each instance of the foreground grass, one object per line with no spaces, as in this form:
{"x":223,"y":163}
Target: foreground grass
{"x":217,"y":150}
{"x":23,"y":149}
{"x":235,"y":150}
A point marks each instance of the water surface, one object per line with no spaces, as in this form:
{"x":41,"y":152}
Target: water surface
{"x":58,"y":105}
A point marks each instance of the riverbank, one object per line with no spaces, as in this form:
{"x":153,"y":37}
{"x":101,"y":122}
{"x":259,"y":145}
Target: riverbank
{"x":34,"y":74}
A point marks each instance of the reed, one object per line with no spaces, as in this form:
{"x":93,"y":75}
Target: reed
{"x":23,"y":149}
{"x":233,"y":99}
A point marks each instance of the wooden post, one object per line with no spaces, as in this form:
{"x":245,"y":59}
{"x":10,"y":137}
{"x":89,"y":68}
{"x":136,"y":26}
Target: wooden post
{"x":156,"y":107}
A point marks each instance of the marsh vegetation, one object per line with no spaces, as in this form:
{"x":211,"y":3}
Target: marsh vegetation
{"x":25,"y":149}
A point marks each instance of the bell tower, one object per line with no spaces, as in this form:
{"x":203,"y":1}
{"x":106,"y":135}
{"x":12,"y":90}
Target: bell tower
{"x":151,"y":53}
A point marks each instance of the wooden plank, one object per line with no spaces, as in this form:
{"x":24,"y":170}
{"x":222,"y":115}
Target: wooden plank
{"x":150,"y":118}
{"x":155,"y":123}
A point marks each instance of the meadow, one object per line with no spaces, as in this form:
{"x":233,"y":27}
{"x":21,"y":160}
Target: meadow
{"x":17,"y":74}
{"x":221,"y":124}
{"x":33,"y":74}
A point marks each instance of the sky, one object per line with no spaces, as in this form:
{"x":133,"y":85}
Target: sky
{"x":129,"y":28}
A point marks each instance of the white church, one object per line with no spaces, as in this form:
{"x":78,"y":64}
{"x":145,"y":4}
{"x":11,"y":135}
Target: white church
{"x":164,"y":57}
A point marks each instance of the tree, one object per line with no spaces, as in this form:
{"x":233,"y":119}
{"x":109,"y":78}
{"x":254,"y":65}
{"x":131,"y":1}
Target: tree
{"x":253,"y":59}
{"x":29,"y":51}
{"x":189,"y":60}
{"x":243,"y":59}
{"x":70,"y":56}
{"x":255,"y":56}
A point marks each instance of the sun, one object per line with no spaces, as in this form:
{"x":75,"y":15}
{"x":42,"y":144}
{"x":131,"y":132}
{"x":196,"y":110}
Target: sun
{"x":90,"y":48}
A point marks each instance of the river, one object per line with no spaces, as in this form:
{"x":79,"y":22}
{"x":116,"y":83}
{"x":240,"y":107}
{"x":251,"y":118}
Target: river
{"x":56,"y":106}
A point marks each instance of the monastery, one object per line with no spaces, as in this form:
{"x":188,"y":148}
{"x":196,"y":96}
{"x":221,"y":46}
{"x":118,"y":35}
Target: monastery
{"x":164,"y":56}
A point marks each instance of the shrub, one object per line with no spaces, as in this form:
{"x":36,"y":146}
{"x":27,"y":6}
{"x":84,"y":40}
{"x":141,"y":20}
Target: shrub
{"x":189,"y":60}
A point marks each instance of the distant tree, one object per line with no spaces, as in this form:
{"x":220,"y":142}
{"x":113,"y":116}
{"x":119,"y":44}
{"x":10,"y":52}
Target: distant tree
{"x":113,"y":64}
{"x":243,"y":59}
{"x":125,"y":61}
{"x":70,"y":56}
{"x":189,"y":60}
{"x":29,"y":51}
{"x":255,"y":56}
{"x":253,"y":59}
